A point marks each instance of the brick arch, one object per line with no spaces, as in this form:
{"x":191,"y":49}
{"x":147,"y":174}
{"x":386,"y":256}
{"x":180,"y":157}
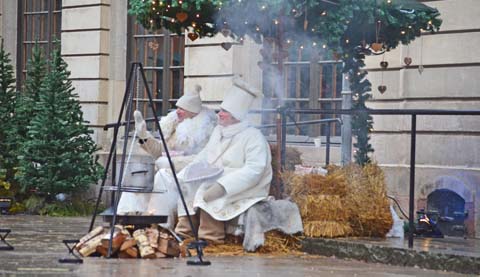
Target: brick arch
{"x":448,"y":182}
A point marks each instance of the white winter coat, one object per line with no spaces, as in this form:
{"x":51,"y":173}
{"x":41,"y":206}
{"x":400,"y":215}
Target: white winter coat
{"x":244,"y":154}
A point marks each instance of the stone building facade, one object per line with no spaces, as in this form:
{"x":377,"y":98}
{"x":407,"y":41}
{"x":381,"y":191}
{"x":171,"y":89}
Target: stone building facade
{"x":98,"y":43}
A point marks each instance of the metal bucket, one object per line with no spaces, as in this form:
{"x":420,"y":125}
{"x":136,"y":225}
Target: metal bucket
{"x":139,"y":173}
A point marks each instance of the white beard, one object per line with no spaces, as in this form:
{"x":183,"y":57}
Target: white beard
{"x":168,"y":124}
{"x":193,"y":133}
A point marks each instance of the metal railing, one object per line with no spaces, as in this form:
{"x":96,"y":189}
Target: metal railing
{"x":327,"y":122}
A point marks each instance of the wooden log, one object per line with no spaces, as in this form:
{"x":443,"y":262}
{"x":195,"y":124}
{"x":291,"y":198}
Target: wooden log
{"x":90,"y":247}
{"x":102,"y":250}
{"x":146,"y":251}
{"x":168,"y":246}
{"x":152,"y":235}
{"x":131,"y":242}
{"x":124,"y":255}
{"x":117,"y":240}
{"x":160,"y":255}
{"x":128,"y":248}
{"x":132,"y":252}
{"x":183,"y":249}
{"x":95,"y":232}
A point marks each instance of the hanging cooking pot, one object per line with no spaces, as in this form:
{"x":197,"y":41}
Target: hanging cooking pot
{"x":138,"y":173}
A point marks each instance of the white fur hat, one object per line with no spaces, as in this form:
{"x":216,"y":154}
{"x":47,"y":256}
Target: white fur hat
{"x":191,"y":101}
{"x":239,"y":98}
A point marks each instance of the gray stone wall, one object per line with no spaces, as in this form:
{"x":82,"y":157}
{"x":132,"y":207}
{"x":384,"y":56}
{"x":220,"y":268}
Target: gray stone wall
{"x":8,"y":27}
{"x":213,"y":67}
{"x":446,"y":145}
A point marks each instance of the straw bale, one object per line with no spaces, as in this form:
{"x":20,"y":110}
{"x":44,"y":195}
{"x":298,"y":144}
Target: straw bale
{"x":313,"y":184}
{"x":324,"y":228}
{"x":276,"y":243}
{"x":321,"y":200}
{"x":323,"y":207}
{"x":347,"y":201}
{"x":279,"y":243}
{"x":368,"y":205}
{"x":292,"y":158}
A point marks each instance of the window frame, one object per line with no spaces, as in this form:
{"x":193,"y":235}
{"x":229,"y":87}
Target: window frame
{"x":167,"y":95}
{"x":29,"y":14}
{"x":322,"y":90}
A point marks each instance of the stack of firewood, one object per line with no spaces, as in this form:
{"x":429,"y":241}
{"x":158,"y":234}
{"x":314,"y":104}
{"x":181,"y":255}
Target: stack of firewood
{"x":148,"y":243}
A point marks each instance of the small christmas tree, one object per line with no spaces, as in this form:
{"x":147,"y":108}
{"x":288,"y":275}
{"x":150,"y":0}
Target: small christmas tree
{"x":7,"y":111}
{"x":36,"y":70}
{"x":57,"y":156}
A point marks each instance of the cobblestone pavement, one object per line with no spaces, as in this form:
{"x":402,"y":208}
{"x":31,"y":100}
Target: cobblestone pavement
{"x":38,"y":246}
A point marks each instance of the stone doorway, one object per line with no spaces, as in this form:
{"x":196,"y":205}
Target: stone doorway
{"x":451,"y":211}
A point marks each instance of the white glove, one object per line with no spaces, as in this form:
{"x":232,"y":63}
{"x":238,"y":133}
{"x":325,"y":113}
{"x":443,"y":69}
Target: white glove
{"x":162,"y":162}
{"x":140,"y":125}
{"x":214,"y":192}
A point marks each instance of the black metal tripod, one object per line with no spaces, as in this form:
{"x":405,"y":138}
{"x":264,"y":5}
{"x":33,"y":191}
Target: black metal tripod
{"x":137,"y":68}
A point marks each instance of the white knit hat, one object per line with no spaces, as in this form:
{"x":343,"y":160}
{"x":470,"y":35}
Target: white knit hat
{"x":191,"y":101}
{"x":239,"y":98}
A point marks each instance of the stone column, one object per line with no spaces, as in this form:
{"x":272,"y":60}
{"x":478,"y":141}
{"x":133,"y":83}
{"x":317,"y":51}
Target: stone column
{"x":8,"y":28}
{"x":86,"y":49}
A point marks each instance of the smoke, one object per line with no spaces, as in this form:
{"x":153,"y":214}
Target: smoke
{"x":288,"y":52}
{"x":281,"y":29}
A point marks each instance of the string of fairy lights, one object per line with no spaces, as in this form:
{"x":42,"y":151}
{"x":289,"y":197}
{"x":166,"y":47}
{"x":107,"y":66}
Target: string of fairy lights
{"x":188,"y":16}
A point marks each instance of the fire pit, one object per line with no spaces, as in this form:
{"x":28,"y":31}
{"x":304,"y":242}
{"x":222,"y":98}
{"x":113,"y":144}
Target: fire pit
{"x":140,"y":220}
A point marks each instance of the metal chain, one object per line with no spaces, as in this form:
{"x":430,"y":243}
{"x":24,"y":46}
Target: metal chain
{"x":132,"y":145}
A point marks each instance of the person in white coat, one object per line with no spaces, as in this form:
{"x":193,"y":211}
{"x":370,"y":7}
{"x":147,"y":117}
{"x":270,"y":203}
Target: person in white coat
{"x":243,"y":154}
{"x":186,"y":131}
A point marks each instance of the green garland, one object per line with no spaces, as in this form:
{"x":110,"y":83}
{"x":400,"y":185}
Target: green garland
{"x":170,"y":15}
{"x":344,"y":29}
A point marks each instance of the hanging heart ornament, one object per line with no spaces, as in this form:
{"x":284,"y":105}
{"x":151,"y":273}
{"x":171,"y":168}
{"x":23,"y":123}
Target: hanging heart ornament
{"x":420,"y":69}
{"x":407,"y":61}
{"x":377,"y":46}
{"x":226,"y":32}
{"x":226,"y":45}
{"x":192,"y":36}
{"x":181,"y":16}
{"x":382,"y":89}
